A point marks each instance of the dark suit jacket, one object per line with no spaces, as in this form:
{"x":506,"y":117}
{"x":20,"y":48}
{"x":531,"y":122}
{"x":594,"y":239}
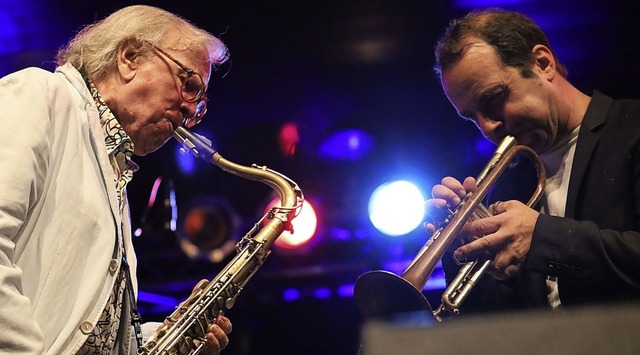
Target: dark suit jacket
{"x":595,"y":250}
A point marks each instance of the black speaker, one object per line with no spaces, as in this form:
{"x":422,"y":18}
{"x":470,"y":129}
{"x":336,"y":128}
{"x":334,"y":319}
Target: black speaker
{"x":590,"y":330}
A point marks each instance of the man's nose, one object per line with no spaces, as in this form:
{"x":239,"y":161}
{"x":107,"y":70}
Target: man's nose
{"x":188,"y":109}
{"x":488,"y":126}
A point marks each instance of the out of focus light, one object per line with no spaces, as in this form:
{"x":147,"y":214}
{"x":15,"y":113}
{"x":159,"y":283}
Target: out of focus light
{"x":322,"y":293}
{"x":288,"y":139}
{"x":185,"y":159}
{"x":436,"y":280}
{"x":345,"y":290}
{"x":208,"y":229}
{"x":9,"y":33}
{"x":351,"y":144}
{"x":304,"y":226}
{"x":29,"y":34}
{"x":157,"y":299}
{"x":290,"y":294}
{"x":396,"y":208}
{"x":485,"y":147}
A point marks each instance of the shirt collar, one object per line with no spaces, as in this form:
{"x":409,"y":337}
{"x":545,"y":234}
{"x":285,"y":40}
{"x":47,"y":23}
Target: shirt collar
{"x":116,"y":139}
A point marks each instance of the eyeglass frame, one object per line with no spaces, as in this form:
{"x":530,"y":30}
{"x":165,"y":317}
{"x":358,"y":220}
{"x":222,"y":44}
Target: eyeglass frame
{"x":200,"y":98}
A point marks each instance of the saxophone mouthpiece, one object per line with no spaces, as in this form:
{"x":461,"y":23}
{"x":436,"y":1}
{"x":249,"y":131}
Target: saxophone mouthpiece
{"x":195,"y":143}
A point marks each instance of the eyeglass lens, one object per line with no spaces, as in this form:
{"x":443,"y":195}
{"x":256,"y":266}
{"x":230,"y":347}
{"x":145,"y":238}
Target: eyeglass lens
{"x":193,"y":88}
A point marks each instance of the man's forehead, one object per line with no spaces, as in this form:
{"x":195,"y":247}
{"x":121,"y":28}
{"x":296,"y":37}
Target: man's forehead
{"x":478,"y":48}
{"x":479,"y":64}
{"x":478,"y":71}
{"x":193,"y":56}
{"x":202,"y":63}
{"x":196,"y":59}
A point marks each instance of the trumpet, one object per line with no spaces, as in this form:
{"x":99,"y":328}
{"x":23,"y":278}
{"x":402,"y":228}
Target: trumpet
{"x":381,"y":294}
{"x":191,"y":319}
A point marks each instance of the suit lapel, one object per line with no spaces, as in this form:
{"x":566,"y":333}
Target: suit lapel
{"x":593,"y":120}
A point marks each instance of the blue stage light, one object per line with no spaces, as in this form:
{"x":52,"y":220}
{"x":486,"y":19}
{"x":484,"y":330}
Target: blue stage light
{"x":396,"y":208}
{"x":186,"y":160}
{"x":9,"y":33}
{"x":345,"y":290}
{"x":350,"y":144}
{"x":290,"y":294}
{"x":322,"y":293}
{"x":436,"y":280}
{"x":157,"y":299}
{"x":485,"y":147}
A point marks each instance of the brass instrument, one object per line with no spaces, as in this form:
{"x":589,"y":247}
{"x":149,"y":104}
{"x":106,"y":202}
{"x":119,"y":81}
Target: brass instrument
{"x":381,"y":294}
{"x":192,"y":318}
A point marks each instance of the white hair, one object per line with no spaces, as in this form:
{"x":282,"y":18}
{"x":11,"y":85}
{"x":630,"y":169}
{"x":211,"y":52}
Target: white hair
{"x":94,"y":50}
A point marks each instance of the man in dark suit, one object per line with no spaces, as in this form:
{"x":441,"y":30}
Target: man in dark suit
{"x":583,"y":244}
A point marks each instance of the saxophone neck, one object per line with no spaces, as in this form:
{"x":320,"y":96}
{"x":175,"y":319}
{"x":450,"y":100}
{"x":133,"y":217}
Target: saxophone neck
{"x":200,"y":146}
{"x":194,"y":143}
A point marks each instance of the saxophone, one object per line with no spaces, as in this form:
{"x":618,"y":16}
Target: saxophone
{"x":209,"y":300}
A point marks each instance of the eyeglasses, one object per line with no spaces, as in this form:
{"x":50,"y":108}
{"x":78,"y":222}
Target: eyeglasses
{"x":192,"y":90}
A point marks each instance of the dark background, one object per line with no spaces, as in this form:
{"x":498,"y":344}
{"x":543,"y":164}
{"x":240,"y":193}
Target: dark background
{"x":325,"y":66}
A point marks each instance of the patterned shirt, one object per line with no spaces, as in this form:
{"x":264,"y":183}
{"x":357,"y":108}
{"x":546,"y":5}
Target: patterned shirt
{"x":120,"y":148}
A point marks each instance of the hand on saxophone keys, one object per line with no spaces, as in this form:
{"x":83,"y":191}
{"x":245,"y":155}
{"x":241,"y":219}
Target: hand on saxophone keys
{"x":217,"y":335}
{"x":505,"y":237}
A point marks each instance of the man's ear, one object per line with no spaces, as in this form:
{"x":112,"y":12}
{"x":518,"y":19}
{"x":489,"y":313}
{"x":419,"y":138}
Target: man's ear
{"x":129,"y":59}
{"x":544,"y":60}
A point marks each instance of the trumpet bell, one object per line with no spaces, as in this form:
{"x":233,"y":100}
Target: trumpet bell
{"x":382,"y":295}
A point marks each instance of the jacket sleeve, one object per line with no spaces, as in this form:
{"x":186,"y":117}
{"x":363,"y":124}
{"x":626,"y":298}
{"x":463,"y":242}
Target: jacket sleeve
{"x":590,"y":263}
{"x":24,"y":156}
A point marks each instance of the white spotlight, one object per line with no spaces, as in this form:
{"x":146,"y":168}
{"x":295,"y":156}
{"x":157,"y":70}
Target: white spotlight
{"x":396,"y":208}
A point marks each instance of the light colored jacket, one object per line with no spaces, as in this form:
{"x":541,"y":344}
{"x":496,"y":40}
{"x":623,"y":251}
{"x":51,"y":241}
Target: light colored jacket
{"x":59,"y":221}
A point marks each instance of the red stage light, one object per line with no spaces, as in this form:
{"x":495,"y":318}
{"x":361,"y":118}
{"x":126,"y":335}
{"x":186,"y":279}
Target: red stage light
{"x":304,"y":226}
